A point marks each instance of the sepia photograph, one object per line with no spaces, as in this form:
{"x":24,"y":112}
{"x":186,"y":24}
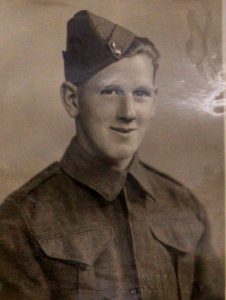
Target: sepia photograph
{"x":112,"y":161}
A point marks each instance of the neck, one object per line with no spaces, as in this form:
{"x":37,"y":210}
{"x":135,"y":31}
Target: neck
{"x":119,"y":165}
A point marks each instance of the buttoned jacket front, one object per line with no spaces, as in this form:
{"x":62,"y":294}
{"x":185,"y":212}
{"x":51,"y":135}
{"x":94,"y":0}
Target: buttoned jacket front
{"x":80,"y":230}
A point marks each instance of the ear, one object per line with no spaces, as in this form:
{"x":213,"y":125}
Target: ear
{"x":154,"y":103}
{"x":70,"y":98}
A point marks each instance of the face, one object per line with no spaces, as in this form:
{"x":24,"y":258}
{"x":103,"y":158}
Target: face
{"x":114,"y":108}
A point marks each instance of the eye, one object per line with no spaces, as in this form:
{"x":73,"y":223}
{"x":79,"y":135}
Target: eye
{"x":108,"y":92}
{"x":111,"y":90}
{"x":142,"y":93}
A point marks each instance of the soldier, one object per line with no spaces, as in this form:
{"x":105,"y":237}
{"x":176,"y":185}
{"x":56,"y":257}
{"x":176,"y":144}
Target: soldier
{"x":100,"y":224}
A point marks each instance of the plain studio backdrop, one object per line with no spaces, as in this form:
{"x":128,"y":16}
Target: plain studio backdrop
{"x":185,"y":139}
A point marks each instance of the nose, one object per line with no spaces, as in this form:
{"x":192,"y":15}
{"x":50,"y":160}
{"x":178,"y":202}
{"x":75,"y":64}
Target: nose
{"x":126,"y":109}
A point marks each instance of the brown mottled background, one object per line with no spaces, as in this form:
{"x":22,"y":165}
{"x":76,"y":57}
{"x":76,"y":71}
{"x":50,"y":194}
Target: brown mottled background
{"x":185,"y":138}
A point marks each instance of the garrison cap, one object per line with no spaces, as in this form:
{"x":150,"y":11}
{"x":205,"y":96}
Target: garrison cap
{"x":92,"y":44}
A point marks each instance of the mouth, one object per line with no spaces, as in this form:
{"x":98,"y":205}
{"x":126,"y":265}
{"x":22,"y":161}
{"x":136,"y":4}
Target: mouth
{"x":123,"y":129}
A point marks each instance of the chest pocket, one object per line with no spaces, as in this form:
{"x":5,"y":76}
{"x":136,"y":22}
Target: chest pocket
{"x":81,"y":247}
{"x":180,"y":230}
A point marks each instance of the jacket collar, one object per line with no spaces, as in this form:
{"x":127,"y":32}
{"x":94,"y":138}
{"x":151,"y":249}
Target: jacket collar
{"x":106,"y":181}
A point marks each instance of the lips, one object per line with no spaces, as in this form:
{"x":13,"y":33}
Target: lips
{"x":123,"y":129}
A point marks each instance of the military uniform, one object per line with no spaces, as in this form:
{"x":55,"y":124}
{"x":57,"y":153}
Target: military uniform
{"x":80,"y":230}
{"x":83,"y":231}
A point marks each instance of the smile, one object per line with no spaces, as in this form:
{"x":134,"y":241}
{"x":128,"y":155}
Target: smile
{"x":122,"y":129}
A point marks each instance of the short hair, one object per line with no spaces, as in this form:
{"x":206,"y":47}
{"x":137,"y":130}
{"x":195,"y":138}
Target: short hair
{"x":141,"y":45}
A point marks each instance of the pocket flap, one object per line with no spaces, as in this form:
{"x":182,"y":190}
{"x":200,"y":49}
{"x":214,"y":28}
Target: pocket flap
{"x":82,"y":246}
{"x":178,"y":229}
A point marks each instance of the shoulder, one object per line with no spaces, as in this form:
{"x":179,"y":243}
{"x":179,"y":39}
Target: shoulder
{"x":35,"y":182}
{"x":160,"y":175}
{"x":171,"y":191}
{"x":160,"y":181}
{"x":43,"y":179}
{"x":32,"y":199}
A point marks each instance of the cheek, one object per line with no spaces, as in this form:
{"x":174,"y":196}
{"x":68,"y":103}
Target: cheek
{"x":96,"y":112}
{"x":144,"y":113}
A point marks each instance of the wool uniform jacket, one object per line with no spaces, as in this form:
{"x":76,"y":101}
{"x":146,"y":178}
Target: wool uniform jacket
{"x":81,"y":230}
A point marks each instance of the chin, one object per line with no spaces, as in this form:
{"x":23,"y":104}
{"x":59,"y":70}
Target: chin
{"x":122,"y":153}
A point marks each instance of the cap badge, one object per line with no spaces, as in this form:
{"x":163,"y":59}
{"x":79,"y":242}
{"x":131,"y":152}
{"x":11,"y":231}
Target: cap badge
{"x":115,"y":49}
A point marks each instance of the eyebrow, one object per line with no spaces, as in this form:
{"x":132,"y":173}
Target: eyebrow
{"x":145,"y":88}
{"x":112,"y":86}
{"x":118,"y":87}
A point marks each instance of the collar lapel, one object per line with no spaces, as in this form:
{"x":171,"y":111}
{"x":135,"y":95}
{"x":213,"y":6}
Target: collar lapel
{"x":98,"y":176}
{"x":140,"y":172}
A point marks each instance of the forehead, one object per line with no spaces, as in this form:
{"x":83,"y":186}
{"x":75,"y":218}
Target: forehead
{"x":129,"y":71}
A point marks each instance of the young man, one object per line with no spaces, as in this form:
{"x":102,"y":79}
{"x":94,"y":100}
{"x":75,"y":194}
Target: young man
{"x":101,"y":225}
